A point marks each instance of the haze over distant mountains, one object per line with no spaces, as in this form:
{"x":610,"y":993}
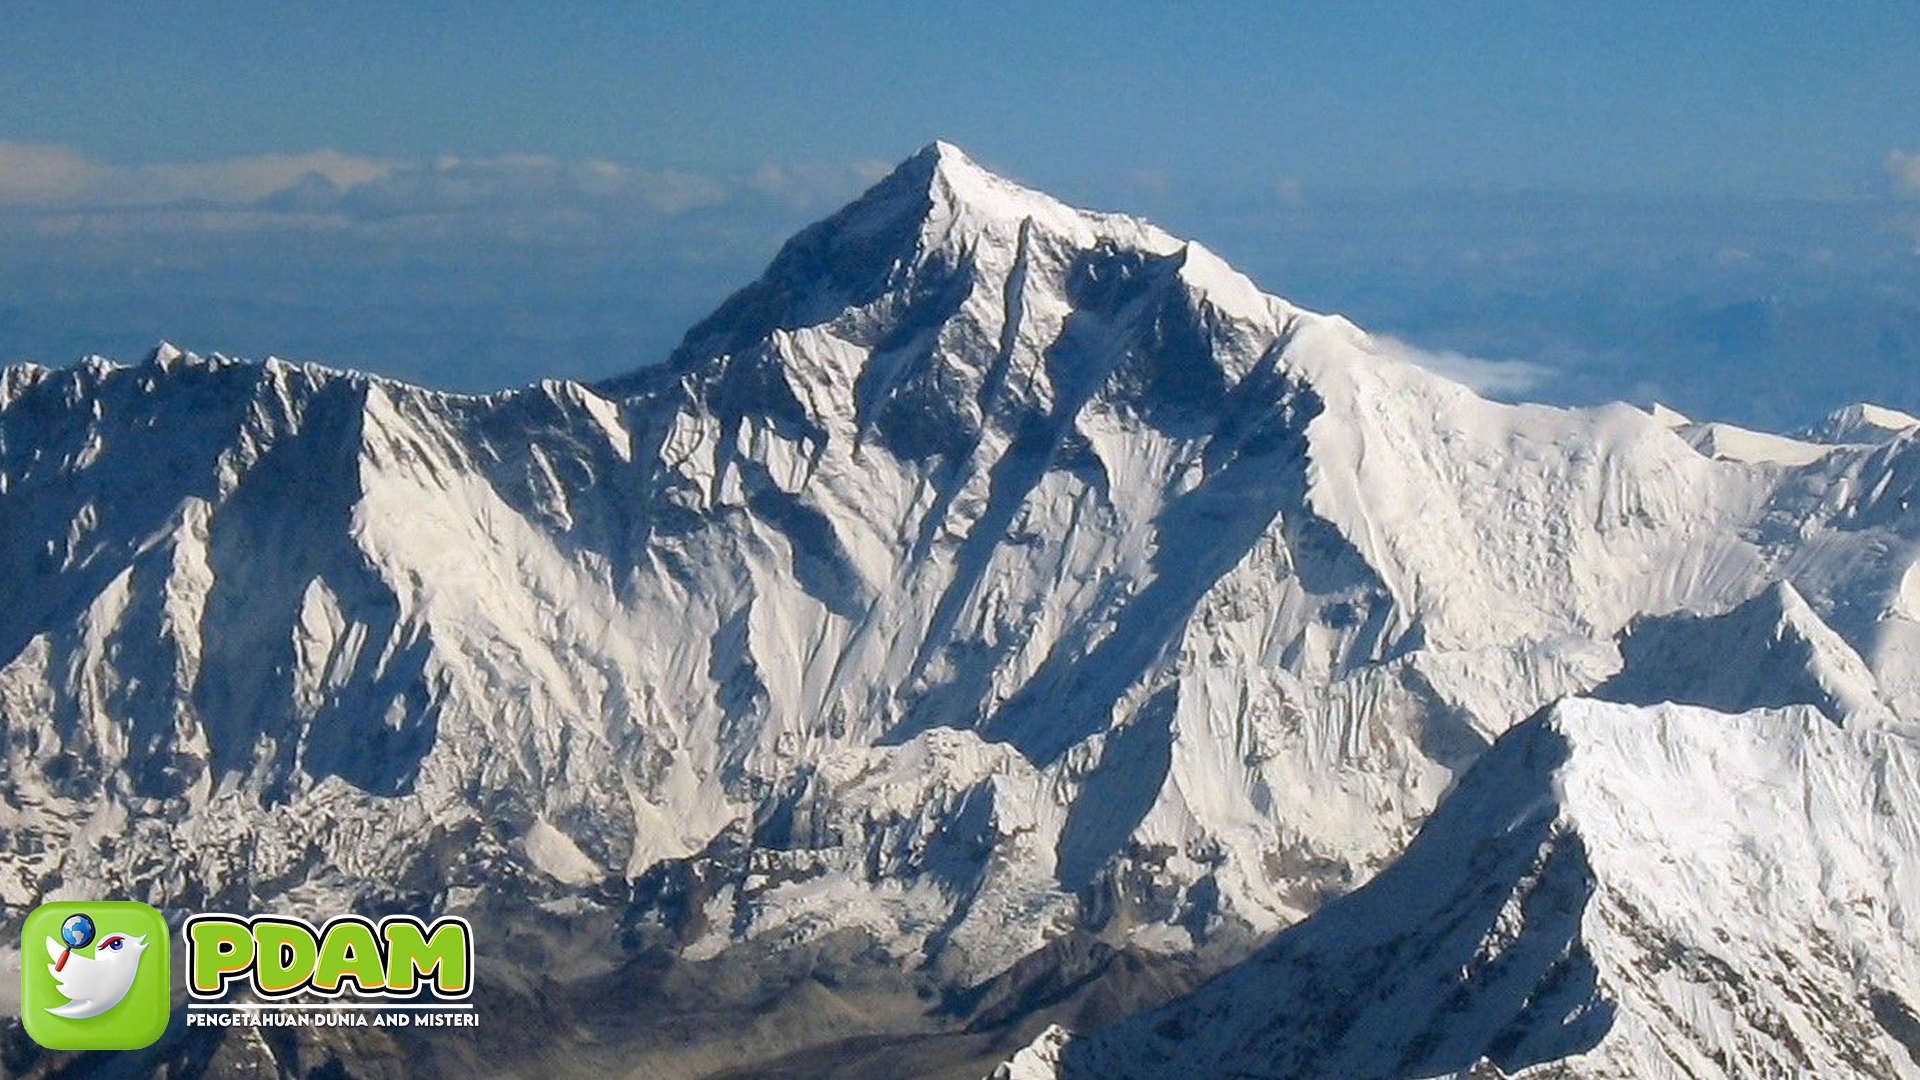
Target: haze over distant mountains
{"x":476,"y":273}
{"x":1019,"y":599}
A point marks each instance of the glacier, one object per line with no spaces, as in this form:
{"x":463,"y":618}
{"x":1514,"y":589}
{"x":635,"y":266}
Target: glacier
{"x":987,"y":571}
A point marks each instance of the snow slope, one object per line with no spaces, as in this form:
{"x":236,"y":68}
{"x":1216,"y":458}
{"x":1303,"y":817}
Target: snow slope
{"x":1770,"y":651}
{"x":988,"y":568}
{"x":1863,"y":422}
{"x":1610,"y":892}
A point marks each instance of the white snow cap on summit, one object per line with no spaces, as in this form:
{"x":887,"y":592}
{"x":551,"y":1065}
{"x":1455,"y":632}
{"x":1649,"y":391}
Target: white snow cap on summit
{"x":976,"y":195}
{"x":966,"y":190}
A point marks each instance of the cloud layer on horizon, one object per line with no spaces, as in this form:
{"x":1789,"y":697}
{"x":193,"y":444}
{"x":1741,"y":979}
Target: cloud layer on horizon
{"x":480,"y":272}
{"x":327,"y":188}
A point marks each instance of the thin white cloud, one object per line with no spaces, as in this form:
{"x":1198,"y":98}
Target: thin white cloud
{"x":43,"y":175}
{"x":37,"y":174}
{"x":1905,"y":170}
{"x":244,"y":179}
{"x":528,"y":181}
{"x":1498,"y":378}
{"x":330,"y":188}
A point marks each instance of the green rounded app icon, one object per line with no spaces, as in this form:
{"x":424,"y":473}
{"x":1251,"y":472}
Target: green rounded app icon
{"x":93,"y":975}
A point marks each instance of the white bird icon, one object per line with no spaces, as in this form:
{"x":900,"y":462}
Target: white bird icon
{"x":92,"y":985}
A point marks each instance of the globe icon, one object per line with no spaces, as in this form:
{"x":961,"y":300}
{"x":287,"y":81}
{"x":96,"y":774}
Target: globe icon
{"x":76,"y":931}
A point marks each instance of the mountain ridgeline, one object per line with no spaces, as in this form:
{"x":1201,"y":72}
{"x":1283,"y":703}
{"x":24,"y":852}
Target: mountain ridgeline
{"x":992,"y":573}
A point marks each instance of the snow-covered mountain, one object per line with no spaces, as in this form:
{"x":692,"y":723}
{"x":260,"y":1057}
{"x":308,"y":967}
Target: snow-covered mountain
{"x":988,"y":569}
{"x":1863,"y":422}
{"x":1610,"y":892}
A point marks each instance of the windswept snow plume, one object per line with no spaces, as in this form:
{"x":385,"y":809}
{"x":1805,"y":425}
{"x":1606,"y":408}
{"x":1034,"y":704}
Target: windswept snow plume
{"x":988,"y":570}
{"x":1497,"y":378}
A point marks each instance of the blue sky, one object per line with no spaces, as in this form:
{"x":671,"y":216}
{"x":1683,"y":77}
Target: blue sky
{"x":1759,"y":98}
{"x":1639,"y":198}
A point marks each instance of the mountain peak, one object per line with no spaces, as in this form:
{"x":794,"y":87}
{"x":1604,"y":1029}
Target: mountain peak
{"x":943,"y":155}
{"x":1862,"y":422}
{"x":949,"y":170}
{"x":167,"y":356}
{"x":919,"y":237}
{"x":1770,"y":651}
{"x":959,"y":191}
{"x":942,"y":165}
